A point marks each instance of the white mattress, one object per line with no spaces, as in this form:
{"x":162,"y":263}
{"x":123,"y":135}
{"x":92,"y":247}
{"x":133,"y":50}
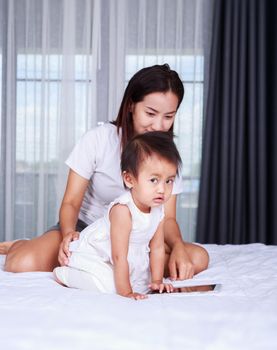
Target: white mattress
{"x":37,"y":313}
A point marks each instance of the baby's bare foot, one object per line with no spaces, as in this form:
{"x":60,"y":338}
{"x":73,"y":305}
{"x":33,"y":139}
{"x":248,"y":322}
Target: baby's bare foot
{"x":5,"y":246}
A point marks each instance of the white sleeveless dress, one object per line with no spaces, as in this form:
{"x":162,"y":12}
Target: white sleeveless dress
{"x":92,"y":252}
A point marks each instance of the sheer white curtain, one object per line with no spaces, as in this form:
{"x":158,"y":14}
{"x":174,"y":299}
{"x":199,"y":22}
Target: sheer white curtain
{"x":64,"y":66}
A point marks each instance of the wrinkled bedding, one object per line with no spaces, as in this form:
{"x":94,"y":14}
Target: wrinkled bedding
{"x":38,"y":313}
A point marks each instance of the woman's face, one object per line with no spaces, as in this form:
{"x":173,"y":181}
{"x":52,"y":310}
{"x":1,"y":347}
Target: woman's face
{"x":156,"y":112}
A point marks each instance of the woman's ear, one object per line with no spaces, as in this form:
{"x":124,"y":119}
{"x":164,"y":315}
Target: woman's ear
{"x":128,"y":179}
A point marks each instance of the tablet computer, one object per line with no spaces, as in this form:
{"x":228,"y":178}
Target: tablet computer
{"x":201,"y":288}
{"x":204,"y":288}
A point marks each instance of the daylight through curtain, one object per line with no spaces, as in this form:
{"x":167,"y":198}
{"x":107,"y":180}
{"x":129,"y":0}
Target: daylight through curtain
{"x":64,"y":66}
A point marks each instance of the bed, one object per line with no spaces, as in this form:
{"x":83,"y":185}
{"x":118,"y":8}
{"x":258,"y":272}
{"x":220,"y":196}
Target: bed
{"x":37,"y":313}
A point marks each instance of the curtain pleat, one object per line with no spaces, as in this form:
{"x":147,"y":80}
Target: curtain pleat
{"x":234,"y":192}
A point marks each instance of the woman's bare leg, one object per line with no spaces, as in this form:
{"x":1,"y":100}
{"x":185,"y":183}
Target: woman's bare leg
{"x":5,"y":246}
{"x":198,"y":255}
{"x":38,"y":254}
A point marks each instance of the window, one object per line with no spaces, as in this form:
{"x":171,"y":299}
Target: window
{"x":38,"y":112}
{"x":64,"y":65}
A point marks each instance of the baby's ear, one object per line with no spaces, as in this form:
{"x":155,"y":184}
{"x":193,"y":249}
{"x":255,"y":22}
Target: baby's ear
{"x":128,"y":179}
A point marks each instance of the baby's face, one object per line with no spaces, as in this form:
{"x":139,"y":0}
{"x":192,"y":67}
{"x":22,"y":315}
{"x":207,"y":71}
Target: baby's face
{"x":154,"y":183}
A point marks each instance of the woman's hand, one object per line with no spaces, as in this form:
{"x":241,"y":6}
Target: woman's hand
{"x":159,"y":287}
{"x":136,"y":296}
{"x":64,"y":253}
{"x":180,"y":266}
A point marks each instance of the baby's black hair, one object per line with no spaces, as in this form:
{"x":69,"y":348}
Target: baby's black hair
{"x":144,"y":145}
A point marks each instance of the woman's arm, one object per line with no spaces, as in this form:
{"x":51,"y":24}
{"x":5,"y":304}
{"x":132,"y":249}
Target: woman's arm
{"x":121,"y":224}
{"x":180,"y":265}
{"x":69,"y":211}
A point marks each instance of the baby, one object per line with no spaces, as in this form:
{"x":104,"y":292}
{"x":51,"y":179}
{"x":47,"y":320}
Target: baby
{"x":123,"y":252}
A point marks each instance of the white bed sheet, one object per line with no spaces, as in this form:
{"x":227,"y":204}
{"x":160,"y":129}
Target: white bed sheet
{"x":37,"y":313}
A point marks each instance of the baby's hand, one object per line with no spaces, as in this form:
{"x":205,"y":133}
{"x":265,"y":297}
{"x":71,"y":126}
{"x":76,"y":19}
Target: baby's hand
{"x":136,"y":296}
{"x":160,"y":287}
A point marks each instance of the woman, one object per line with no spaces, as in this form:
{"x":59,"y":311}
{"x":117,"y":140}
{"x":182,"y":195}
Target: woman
{"x":150,"y":103}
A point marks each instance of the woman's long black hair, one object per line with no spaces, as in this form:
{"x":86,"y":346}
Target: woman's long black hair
{"x":158,"y":78}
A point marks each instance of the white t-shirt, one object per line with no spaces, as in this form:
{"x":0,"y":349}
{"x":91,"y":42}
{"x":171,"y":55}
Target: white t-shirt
{"x":96,"y":157}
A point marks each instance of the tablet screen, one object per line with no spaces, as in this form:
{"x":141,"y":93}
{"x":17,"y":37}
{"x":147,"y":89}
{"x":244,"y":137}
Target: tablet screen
{"x":192,"y":289}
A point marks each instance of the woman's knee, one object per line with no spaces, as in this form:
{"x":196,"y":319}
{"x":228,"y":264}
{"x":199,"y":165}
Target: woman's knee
{"x":202,"y":259}
{"x":38,"y":254}
{"x":16,"y":262}
{"x":199,"y":257}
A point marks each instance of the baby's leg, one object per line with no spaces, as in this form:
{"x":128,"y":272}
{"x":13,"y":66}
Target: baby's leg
{"x":75,"y":278}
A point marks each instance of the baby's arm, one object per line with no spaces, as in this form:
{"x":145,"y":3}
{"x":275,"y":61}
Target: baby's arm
{"x":157,"y":258}
{"x":121,"y":224}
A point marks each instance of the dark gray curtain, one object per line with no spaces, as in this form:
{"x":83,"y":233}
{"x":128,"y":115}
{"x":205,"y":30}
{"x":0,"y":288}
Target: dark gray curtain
{"x":237,"y":200}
